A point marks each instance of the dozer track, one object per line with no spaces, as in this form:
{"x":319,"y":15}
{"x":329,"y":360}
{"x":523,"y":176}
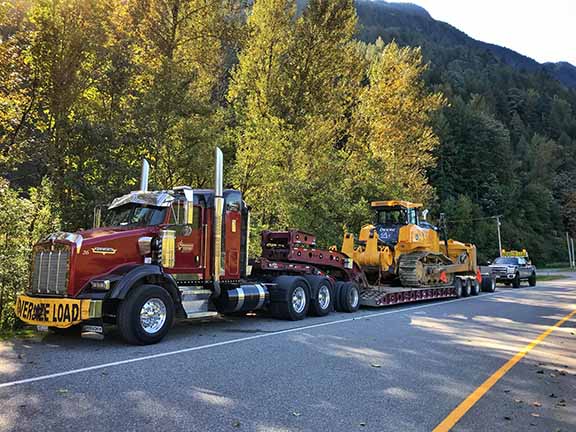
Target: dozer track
{"x":416,"y":270}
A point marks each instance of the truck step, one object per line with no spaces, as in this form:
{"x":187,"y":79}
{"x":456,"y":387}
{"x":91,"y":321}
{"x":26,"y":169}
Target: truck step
{"x":206,"y":314}
{"x":195,"y":300}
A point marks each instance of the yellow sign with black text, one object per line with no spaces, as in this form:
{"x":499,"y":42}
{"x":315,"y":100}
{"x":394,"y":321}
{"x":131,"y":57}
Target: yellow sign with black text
{"x":56,"y":312}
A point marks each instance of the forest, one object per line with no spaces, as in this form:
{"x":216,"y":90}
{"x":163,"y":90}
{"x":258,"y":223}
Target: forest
{"x":316,"y":118}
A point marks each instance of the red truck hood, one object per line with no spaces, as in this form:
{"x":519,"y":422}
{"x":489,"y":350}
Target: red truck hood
{"x":105,"y":249}
{"x":113,"y":232}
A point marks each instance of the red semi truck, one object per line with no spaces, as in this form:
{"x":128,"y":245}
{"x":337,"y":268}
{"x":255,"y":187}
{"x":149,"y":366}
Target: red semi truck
{"x":183,"y":254}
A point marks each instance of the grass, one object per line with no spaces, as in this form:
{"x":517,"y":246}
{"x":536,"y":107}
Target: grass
{"x":23,"y":333}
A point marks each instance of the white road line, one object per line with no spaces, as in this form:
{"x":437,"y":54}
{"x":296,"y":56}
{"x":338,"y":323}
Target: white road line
{"x":246,"y":339}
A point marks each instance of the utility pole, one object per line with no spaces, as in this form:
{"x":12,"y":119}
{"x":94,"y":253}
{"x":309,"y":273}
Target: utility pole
{"x":499,"y":236}
{"x":573,"y":257}
{"x":570,"y":259}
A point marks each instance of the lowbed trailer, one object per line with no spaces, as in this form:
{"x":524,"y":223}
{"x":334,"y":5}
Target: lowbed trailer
{"x":183,"y":254}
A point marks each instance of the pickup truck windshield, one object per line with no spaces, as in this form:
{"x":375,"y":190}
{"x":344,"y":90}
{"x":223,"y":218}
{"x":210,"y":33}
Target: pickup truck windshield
{"x":135,"y":215}
{"x":509,"y":261}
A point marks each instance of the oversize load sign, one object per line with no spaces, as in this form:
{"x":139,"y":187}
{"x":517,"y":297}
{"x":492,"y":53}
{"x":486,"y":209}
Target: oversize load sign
{"x":49,"y":312}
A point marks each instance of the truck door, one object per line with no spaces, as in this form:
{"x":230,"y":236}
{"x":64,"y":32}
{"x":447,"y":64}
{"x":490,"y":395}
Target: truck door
{"x":188,"y":253}
{"x":523,"y":268}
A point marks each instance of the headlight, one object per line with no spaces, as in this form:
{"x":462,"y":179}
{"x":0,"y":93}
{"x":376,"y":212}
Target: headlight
{"x":511,"y":269}
{"x":145,"y":245}
{"x":100,"y":285}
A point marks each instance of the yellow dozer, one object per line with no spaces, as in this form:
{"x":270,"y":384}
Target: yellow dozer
{"x":400,"y":246}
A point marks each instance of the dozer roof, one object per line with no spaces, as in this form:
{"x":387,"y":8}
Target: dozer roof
{"x":395,"y":203}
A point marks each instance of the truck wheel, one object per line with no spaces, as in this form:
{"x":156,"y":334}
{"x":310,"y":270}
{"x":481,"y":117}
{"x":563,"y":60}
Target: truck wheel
{"x":290,"y":299}
{"x":532,"y":279}
{"x":145,"y":315}
{"x":488,"y":284}
{"x":458,"y":287}
{"x":516,"y":281}
{"x":337,"y":291}
{"x":349,"y":297}
{"x":466,"y":288}
{"x":475,"y":287}
{"x":322,"y":295}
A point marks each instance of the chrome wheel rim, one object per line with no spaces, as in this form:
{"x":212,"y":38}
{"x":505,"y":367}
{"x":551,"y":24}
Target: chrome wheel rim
{"x":153,"y":315}
{"x":354,"y":298}
{"x":324,"y":297}
{"x":299,"y":299}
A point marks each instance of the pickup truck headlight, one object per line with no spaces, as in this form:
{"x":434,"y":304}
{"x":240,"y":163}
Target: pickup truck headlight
{"x":511,"y":269}
{"x":100,"y":285}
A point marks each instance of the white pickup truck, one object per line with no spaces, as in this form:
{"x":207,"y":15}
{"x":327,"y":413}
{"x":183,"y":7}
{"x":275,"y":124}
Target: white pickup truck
{"x":512,"y":270}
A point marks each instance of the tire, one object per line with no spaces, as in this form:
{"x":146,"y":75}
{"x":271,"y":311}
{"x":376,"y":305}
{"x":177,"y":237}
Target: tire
{"x":290,"y":299}
{"x":516,"y":281}
{"x":322,"y":295}
{"x":532,"y":279}
{"x":337,"y":292}
{"x":458,"y":287}
{"x":349,"y":297}
{"x":137,"y":329}
{"x":475,"y":287}
{"x":466,"y":288}
{"x":488,"y":284}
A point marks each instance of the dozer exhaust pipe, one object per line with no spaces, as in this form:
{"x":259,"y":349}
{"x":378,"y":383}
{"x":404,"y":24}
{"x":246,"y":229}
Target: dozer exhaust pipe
{"x":218,"y":215}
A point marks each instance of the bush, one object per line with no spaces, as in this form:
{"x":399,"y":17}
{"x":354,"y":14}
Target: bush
{"x":22,"y":222}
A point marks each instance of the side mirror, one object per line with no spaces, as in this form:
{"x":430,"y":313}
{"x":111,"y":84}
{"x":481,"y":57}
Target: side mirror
{"x":425,"y":214}
{"x":489,"y":262}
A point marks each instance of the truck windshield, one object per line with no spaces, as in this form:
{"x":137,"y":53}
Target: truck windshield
{"x":510,"y":261}
{"x":135,"y":215}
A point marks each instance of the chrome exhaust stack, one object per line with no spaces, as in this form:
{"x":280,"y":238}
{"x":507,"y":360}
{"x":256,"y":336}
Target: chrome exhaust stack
{"x":144,"y":176}
{"x":218,"y":215}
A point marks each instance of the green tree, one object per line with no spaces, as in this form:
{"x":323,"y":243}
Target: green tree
{"x":22,"y":222}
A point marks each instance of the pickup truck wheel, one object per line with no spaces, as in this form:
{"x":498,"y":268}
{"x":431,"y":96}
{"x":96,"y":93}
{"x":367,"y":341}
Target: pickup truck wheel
{"x":488,"y":284}
{"x":145,"y":315}
{"x":290,"y":299}
{"x":532,"y":279}
{"x":322,"y":295}
{"x":516,"y":281}
{"x":466,"y":288}
{"x":475,"y":287}
{"x":349,"y":297}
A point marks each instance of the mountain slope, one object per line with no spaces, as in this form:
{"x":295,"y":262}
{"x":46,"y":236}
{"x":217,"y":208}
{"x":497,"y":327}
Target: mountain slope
{"x":410,"y":24}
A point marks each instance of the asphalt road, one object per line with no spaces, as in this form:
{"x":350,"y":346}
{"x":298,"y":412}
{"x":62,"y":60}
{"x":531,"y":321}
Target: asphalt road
{"x":394,"y":369}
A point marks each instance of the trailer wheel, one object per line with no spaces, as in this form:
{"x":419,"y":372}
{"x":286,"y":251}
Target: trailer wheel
{"x":349,"y":297}
{"x":488,"y":284}
{"x":466,"y":288}
{"x":145,"y":315}
{"x":475,"y":287}
{"x":322,"y":295}
{"x":337,"y":291}
{"x":458,"y":287}
{"x":532,"y":279}
{"x":516,"y":281}
{"x":290,"y":299}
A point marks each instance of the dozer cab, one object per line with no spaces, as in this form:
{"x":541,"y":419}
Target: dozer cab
{"x":400,"y":246}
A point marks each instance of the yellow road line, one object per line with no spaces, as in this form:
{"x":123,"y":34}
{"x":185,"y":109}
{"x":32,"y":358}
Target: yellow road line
{"x":475,"y":396}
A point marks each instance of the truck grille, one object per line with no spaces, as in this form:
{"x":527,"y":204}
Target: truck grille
{"x":50,"y":271}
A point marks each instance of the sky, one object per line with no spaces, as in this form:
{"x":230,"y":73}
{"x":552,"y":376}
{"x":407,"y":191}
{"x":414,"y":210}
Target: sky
{"x":544,"y":30}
